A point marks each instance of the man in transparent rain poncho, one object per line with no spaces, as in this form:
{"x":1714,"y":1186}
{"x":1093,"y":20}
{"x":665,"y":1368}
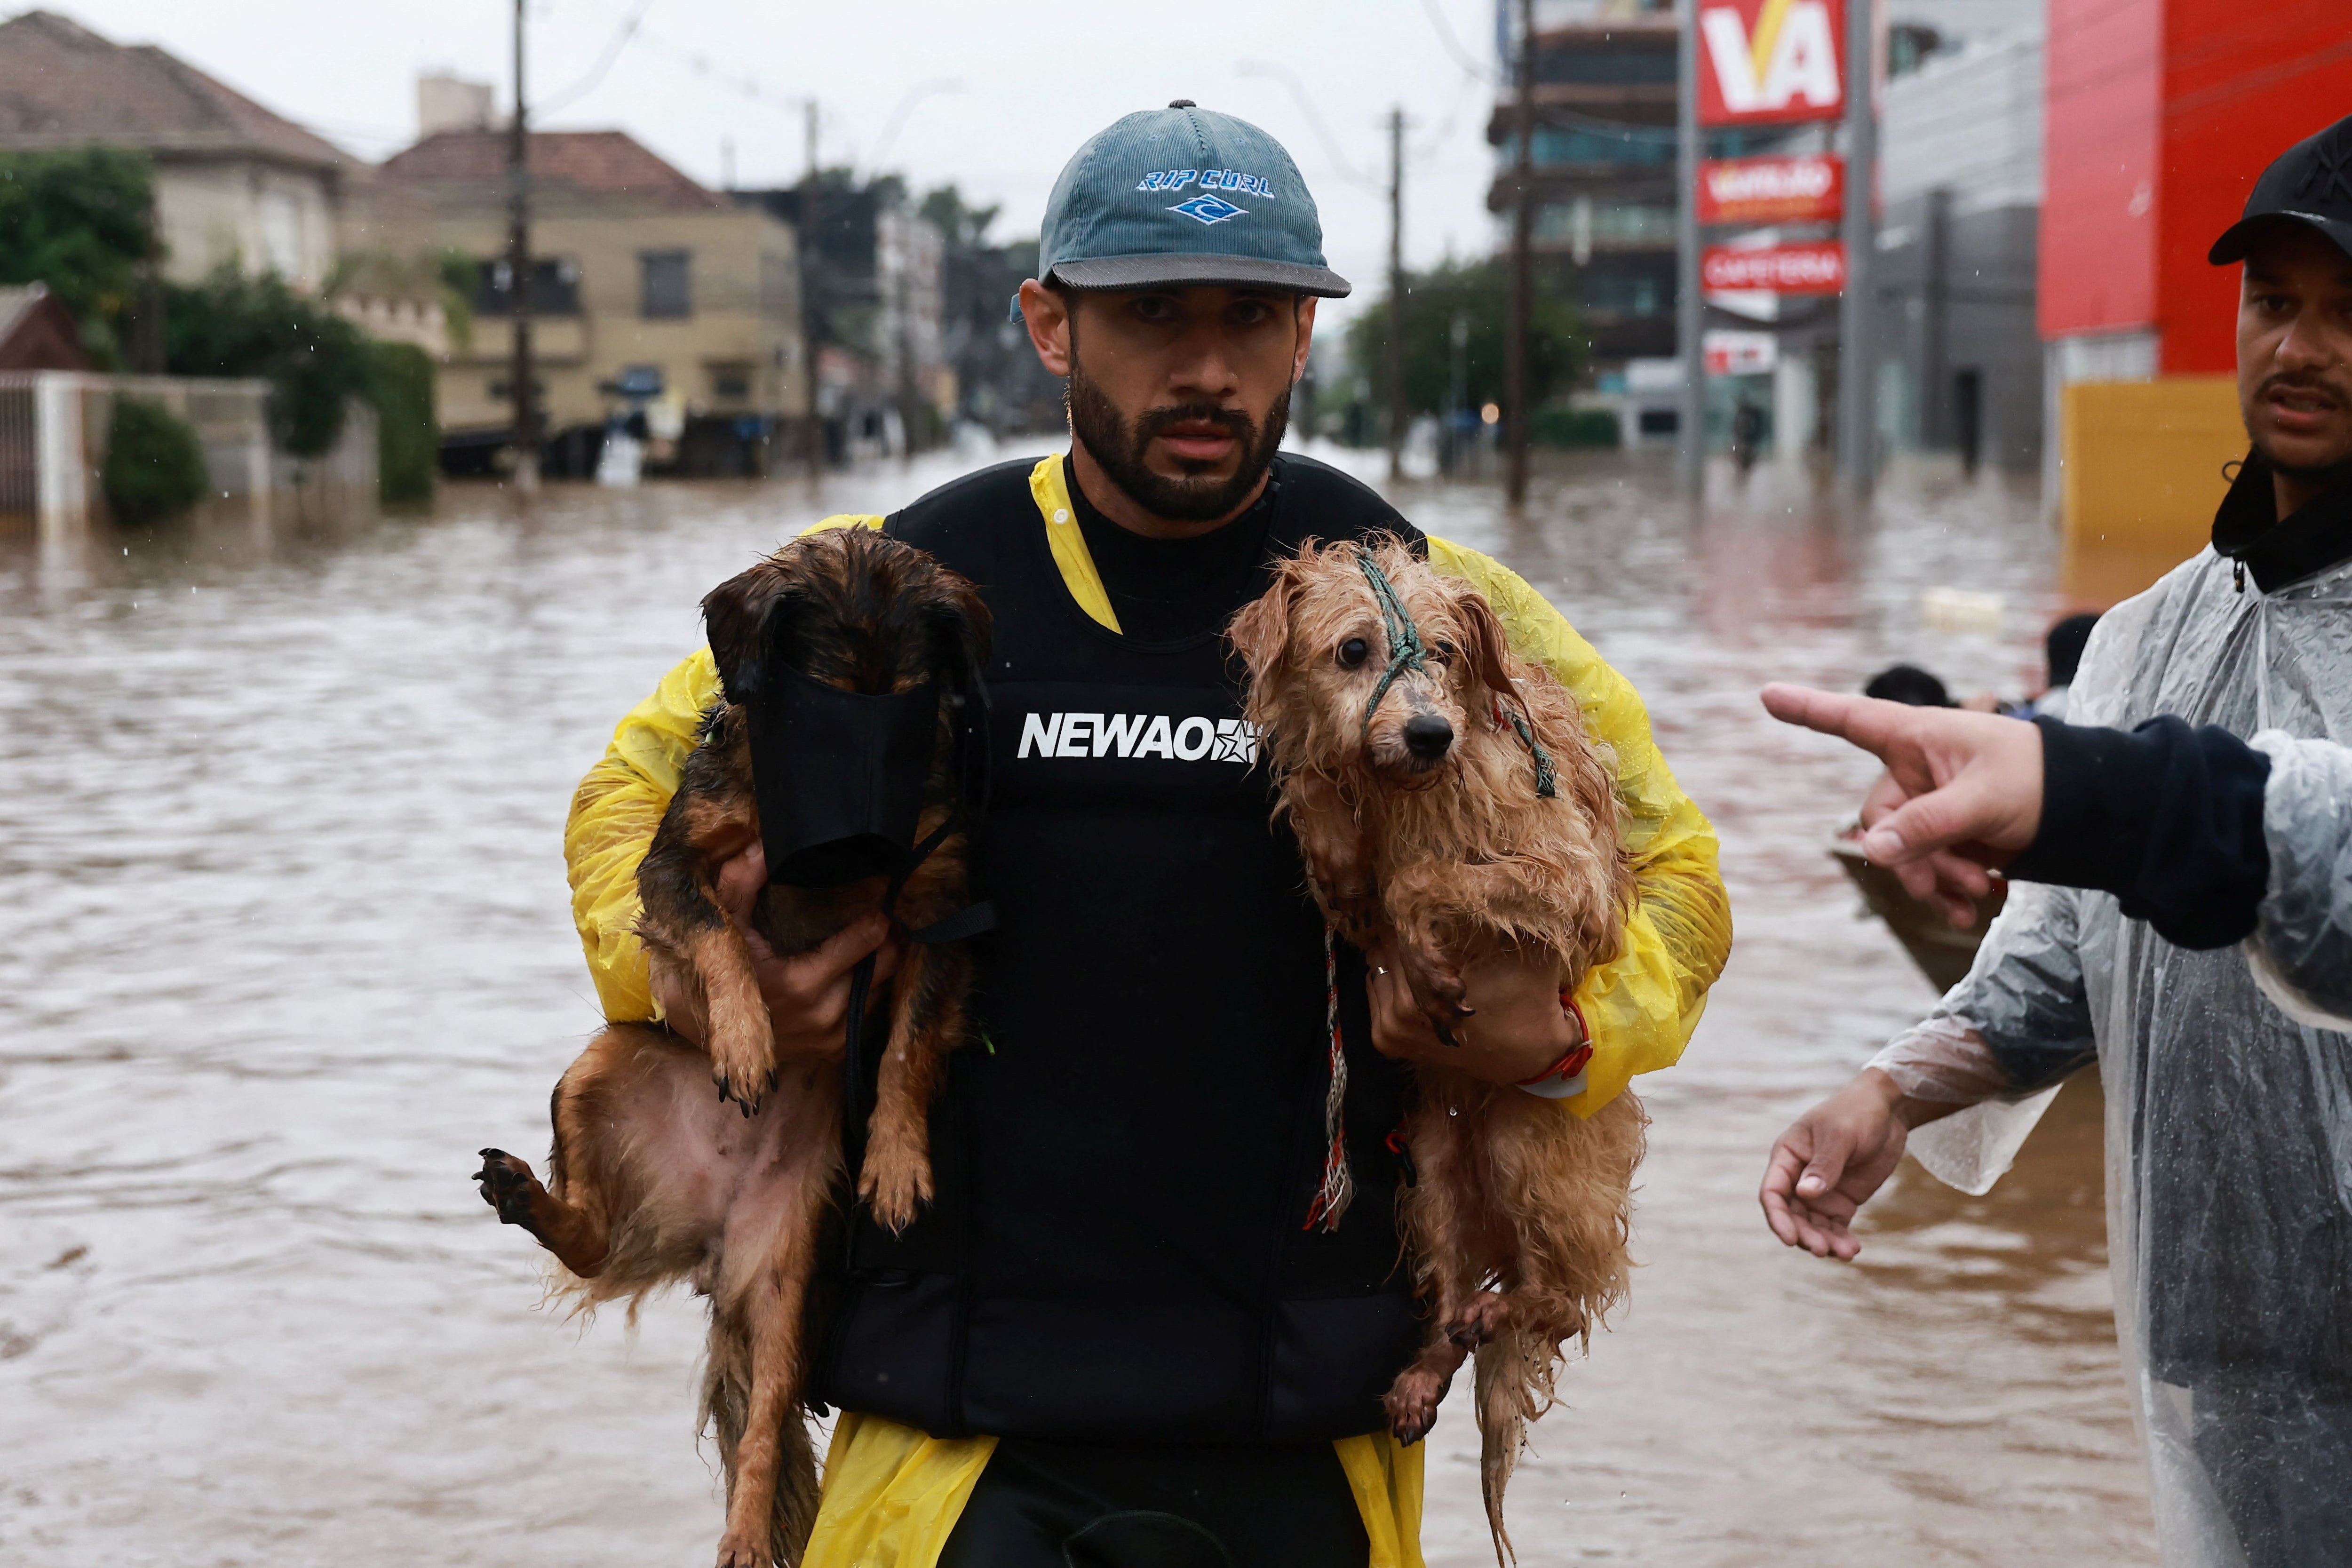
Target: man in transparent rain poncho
{"x":2214,"y":1004}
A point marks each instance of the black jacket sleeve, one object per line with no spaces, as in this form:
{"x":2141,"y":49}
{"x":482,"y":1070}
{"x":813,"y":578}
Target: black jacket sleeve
{"x":2168,"y":819}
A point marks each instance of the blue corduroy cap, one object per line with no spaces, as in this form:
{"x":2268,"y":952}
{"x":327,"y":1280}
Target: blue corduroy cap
{"x":1182,"y":195}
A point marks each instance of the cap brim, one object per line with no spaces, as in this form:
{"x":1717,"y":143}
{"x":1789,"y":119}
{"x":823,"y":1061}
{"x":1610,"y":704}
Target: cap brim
{"x":2239,"y":239}
{"x":1201,"y":272}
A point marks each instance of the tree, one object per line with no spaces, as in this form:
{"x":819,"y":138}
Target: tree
{"x":80,"y":222}
{"x":231,"y":325}
{"x":1480,"y":293}
{"x":965,"y":227}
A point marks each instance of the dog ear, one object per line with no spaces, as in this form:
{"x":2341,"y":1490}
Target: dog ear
{"x":1261,"y":633}
{"x":959,"y":619}
{"x":736,"y":615}
{"x":1485,"y":642}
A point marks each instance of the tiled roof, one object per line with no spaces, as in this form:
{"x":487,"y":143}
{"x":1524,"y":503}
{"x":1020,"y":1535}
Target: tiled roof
{"x":61,"y":85}
{"x":598,"y":162}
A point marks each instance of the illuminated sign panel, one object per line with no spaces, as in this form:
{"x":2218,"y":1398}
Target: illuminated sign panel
{"x":1780,"y":268}
{"x":1807,"y":189}
{"x":1770,"y":61}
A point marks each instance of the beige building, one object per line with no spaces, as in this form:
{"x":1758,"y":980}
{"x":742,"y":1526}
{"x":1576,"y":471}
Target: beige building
{"x":234,"y":183}
{"x":651,"y":297}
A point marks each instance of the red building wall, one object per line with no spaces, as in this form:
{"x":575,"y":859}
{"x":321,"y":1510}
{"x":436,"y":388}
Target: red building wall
{"x":2244,"y":81}
{"x":2161,"y":113}
{"x":2103,"y":97}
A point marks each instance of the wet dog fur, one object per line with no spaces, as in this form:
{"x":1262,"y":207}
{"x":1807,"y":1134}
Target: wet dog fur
{"x":1519,"y":1217}
{"x":655,"y":1175}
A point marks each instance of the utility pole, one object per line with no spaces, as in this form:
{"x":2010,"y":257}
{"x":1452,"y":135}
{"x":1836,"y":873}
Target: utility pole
{"x":1690,"y":302}
{"x":812,"y":313}
{"x":1523,"y":268}
{"x":1857,"y":384}
{"x":1397,"y":414}
{"x":522,"y":372}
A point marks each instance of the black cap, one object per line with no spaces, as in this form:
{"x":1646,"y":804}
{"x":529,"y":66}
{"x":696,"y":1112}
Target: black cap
{"x":2310,"y":182}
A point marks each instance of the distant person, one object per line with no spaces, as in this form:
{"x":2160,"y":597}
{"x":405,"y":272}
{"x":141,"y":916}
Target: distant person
{"x":1747,"y":434}
{"x":1908,"y":684}
{"x":2063,"y":655}
{"x":2211,"y":995}
{"x":1112,"y":1338}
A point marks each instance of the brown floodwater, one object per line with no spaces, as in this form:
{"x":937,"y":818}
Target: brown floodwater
{"x":284,"y":938}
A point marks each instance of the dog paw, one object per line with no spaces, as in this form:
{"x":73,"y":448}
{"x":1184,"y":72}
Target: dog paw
{"x":1412,"y":1402}
{"x":895,"y":1188}
{"x":743,"y":1549}
{"x":508,"y":1185}
{"x":1487,"y":1315}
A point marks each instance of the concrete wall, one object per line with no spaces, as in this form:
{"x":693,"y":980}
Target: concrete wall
{"x":53,"y":437}
{"x":260,"y":217}
{"x":1961,"y":364}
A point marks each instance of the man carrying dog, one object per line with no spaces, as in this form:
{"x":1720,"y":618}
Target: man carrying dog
{"x":2148,"y":859}
{"x":1112,"y":1337}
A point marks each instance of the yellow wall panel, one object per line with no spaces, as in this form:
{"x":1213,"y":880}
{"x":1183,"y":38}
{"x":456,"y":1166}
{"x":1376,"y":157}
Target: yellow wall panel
{"x":2142,"y":474}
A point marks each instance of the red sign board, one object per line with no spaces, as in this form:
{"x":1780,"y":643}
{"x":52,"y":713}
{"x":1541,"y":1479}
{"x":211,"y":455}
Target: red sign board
{"x":1783,"y":269}
{"x":1770,"y":62}
{"x":1809,"y":187}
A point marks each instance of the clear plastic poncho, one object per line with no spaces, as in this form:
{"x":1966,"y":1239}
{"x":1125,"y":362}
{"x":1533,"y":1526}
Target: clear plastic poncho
{"x":2228,"y":1076}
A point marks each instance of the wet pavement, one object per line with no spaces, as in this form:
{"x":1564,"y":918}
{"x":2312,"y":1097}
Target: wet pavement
{"x":284,"y":938}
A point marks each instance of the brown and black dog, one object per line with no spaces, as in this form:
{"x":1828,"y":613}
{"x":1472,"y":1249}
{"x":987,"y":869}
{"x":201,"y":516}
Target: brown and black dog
{"x":655,"y":1177}
{"x":1444,"y":790}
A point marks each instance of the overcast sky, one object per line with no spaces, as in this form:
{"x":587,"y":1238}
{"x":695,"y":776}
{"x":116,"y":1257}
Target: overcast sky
{"x":1036,"y":76}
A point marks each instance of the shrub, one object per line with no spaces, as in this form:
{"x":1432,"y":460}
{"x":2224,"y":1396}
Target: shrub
{"x":408,"y":441}
{"x":312,"y":358}
{"x":1574,"y":428}
{"x":155,"y":465}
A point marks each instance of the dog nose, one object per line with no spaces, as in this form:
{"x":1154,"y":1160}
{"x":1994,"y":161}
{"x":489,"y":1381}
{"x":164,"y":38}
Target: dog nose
{"x":1427,"y":736}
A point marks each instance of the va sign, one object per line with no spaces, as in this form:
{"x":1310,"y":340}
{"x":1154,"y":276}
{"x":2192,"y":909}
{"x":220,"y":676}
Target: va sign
{"x":1770,"y":61}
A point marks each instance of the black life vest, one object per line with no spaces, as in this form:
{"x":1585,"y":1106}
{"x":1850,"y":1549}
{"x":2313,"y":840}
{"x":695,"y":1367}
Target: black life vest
{"x":1127,"y":1149}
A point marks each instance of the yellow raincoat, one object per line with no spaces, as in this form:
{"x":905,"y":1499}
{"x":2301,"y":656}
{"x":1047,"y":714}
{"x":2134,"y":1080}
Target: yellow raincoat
{"x":891,"y":1493}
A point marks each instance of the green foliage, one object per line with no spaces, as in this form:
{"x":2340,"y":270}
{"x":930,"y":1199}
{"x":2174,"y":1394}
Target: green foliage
{"x":155,"y":465}
{"x":966,"y":228}
{"x":239,"y":326}
{"x":1480,"y":294}
{"x":408,"y":441}
{"x":79,"y":222}
{"x":1558,"y":426}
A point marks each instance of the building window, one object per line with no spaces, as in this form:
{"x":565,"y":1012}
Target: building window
{"x":554,"y":287}
{"x":665,"y":286}
{"x":730,"y":382}
{"x":281,"y":234}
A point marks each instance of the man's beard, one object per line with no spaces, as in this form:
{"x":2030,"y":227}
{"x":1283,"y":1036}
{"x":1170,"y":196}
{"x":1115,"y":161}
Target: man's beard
{"x":1119,"y":447}
{"x":2320,"y":478}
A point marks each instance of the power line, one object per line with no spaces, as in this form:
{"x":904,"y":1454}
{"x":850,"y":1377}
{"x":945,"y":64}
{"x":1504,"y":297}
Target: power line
{"x":587,"y":84}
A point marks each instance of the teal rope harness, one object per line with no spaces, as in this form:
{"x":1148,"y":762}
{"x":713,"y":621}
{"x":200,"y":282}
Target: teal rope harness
{"x":1408,"y":652}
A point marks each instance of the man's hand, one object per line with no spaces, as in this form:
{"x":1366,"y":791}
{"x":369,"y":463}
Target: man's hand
{"x":1516,"y":1027}
{"x":1829,"y":1162}
{"x":807,"y":995}
{"x":1961,"y":789}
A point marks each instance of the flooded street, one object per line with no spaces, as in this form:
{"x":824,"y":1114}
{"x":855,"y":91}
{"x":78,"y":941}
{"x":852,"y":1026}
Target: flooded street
{"x":284,"y":938}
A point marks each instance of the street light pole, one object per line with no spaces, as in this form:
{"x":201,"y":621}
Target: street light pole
{"x":1514,"y":363}
{"x":1397,"y":414}
{"x":1690,"y":304}
{"x":522,"y":371}
{"x":1857,"y":402}
{"x":811,"y":255}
